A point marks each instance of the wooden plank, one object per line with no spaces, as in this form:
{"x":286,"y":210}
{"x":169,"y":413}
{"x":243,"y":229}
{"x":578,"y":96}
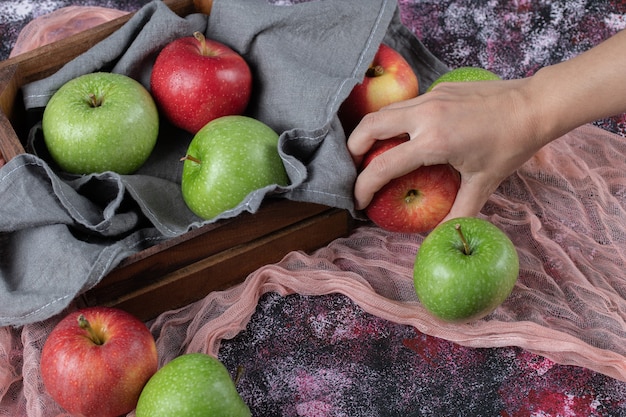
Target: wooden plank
{"x":10,"y":144}
{"x":45,"y":60}
{"x":177,"y":252}
{"x":224,"y":269}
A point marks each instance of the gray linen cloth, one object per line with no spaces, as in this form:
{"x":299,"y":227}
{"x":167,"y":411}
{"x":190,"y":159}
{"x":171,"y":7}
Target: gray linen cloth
{"x":61,"y":234}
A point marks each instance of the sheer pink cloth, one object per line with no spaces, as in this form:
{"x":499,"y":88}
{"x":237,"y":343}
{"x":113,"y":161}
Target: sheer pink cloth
{"x":60,"y":24}
{"x":565,"y":210}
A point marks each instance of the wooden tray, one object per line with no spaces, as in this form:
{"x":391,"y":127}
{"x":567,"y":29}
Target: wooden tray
{"x":186,"y":268}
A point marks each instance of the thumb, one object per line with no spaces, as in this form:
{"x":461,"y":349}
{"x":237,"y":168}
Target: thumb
{"x":470,"y":199}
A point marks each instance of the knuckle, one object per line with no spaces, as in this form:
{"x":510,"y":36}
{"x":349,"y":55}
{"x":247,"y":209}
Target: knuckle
{"x":380,"y":167}
{"x":371,"y":121}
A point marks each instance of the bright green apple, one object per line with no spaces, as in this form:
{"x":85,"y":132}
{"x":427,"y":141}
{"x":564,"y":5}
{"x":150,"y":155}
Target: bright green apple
{"x":228,"y":159}
{"x":100,"y":122}
{"x":191,"y":385}
{"x":465,"y":74}
{"x":464,"y":269}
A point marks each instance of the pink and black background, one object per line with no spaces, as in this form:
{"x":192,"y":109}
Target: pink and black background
{"x":323,"y":355}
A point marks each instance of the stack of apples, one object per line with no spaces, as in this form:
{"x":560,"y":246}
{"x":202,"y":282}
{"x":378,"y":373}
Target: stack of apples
{"x":204,"y":87}
{"x":419,"y":200}
{"x":102,"y":362}
{"x":466,"y":267}
{"x":109,"y":122}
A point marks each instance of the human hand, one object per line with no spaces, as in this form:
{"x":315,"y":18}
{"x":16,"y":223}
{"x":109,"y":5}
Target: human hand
{"x":485,"y":130}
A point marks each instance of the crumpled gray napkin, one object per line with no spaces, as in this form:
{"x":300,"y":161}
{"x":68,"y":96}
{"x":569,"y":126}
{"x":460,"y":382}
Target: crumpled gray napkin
{"x":60,"y":234}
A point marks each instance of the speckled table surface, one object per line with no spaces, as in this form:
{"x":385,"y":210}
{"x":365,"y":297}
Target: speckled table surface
{"x":379,"y":368}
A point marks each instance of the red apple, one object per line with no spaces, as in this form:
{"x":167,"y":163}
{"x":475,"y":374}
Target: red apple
{"x":96,"y":361}
{"x":415,"y":202}
{"x":388,"y":79}
{"x":195,"y":80}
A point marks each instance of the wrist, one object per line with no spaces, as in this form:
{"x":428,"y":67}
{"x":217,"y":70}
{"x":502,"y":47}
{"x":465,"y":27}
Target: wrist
{"x":552,"y":110}
{"x":581,"y":90}
{"x":534,"y":124}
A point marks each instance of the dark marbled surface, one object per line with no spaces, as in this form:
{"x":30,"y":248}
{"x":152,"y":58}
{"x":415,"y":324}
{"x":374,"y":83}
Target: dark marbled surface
{"x":324,"y":356}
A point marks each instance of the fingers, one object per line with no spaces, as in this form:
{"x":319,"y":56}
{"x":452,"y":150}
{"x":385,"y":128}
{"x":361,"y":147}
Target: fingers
{"x":393,"y":120}
{"x":383,"y":124}
{"x":474,"y":127}
{"x":391,"y":164}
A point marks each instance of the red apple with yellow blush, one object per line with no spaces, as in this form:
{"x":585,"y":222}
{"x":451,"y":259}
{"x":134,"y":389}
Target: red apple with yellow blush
{"x":388,"y":79}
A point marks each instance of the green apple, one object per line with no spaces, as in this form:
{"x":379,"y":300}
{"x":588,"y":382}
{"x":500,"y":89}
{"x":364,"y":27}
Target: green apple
{"x":465,"y":74}
{"x":464,"y":269}
{"x":100,"y":122}
{"x":227,"y":159}
{"x":191,"y":385}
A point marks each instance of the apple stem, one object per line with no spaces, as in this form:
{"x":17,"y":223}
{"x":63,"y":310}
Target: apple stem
{"x":191,"y":158}
{"x":239,"y":374}
{"x":83,"y":323}
{"x":410,"y":196}
{"x":203,"y":48}
{"x":375,"y":71}
{"x":94,"y":101}
{"x":466,"y":248}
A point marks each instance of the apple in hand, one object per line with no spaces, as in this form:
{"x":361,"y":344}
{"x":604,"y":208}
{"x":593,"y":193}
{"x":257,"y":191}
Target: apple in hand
{"x":191,"y":385}
{"x":228,"y":159}
{"x":96,"y":361}
{"x":100,"y":122}
{"x":464,"y":269}
{"x":195,"y":80}
{"x":415,"y":202}
{"x":388,"y":79}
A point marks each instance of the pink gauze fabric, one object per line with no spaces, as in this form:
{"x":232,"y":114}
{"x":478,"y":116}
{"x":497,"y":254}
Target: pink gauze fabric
{"x":565,"y":210}
{"x":60,"y":24}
